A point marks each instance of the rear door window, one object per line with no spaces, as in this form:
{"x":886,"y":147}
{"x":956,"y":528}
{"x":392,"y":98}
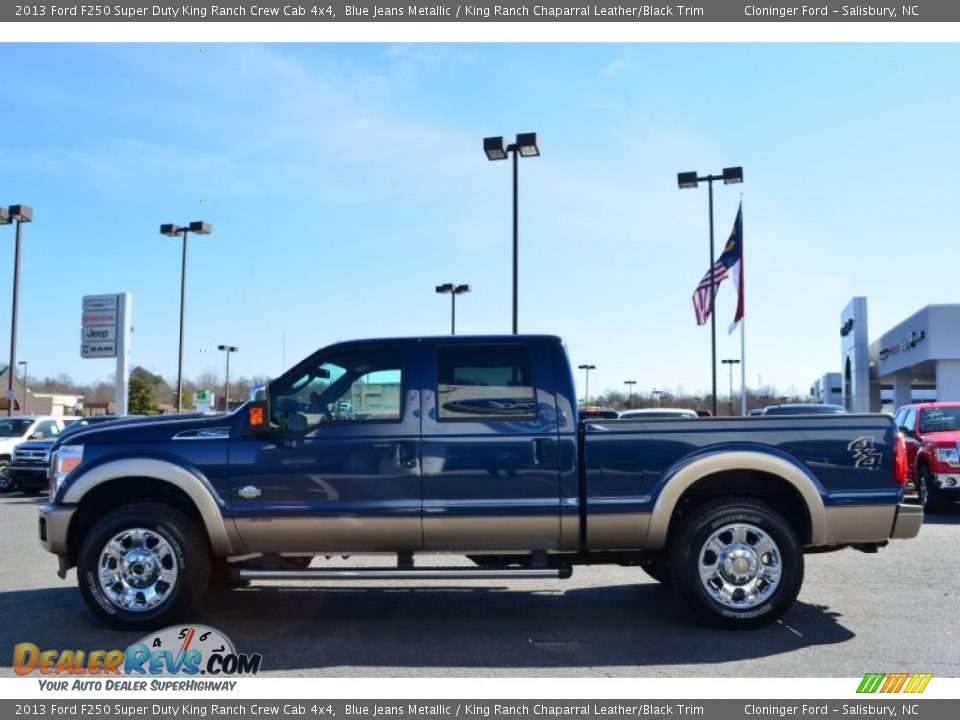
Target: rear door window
{"x":485,"y":382}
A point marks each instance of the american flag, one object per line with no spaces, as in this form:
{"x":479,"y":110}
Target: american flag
{"x":730,"y":260}
{"x":702,"y":300}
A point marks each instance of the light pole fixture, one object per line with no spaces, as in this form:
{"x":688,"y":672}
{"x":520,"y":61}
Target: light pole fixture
{"x":22,"y":214}
{"x":656,"y":394}
{"x":454,"y":290}
{"x":226,"y":385}
{"x":630,"y":384}
{"x":198,"y":228}
{"x":686,"y":180}
{"x":731,"y":362}
{"x":23,"y":409}
{"x":496,"y":149}
{"x":586,"y":369}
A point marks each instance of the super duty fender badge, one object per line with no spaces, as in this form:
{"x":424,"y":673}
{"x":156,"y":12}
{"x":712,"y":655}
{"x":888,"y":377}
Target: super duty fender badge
{"x":219,"y":433}
{"x":865,"y":454}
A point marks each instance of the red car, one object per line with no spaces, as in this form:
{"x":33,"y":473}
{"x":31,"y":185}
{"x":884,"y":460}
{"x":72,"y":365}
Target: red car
{"x":931,"y":433}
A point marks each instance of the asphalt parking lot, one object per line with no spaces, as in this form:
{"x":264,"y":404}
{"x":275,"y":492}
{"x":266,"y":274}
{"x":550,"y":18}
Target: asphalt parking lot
{"x":893,"y":611}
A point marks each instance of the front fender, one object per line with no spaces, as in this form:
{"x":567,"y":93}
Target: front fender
{"x":204,"y":496}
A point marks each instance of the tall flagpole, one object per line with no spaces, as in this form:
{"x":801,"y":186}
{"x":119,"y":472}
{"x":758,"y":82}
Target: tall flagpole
{"x":743,"y":370}
{"x":743,"y":342}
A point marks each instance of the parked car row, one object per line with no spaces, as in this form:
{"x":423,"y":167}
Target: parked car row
{"x":20,"y":428}
{"x":680,"y":413}
{"x":25,"y":443}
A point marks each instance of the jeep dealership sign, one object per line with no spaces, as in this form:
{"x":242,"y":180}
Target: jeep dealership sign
{"x":105,"y":327}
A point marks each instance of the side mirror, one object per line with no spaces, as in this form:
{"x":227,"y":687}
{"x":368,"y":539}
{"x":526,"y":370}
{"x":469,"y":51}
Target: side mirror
{"x":257,"y":421}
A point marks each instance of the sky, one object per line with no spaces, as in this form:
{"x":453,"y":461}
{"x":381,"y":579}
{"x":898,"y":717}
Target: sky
{"x":345,"y":181}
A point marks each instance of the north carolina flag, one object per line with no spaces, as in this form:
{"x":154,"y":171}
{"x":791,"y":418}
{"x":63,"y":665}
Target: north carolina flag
{"x":735,"y":244}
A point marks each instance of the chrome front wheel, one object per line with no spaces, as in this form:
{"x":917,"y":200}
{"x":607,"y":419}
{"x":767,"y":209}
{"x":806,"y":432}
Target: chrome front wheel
{"x":137,"y":570}
{"x":143,"y":565}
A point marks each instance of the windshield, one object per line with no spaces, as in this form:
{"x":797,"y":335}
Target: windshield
{"x":14,"y":428}
{"x":940,"y":419}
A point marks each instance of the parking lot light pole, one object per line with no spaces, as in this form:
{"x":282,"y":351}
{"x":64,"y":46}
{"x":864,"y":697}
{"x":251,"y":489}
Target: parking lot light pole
{"x":454,"y":290}
{"x":686,"y":180}
{"x":226,"y":385}
{"x":5,"y":219}
{"x":656,"y":394}
{"x":22,"y":214}
{"x":24,"y":408}
{"x":731,"y":362}
{"x":630,"y":384}
{"x":495,"y":149}
{"x":198,"y":228}
{"x":586,"y":390}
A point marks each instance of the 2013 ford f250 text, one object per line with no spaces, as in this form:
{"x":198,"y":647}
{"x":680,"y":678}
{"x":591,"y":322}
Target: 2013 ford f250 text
{"x":469,"y":445}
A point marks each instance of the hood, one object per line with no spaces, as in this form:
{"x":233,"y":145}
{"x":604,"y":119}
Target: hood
{"x":945,"y":438}
{"x":156,"y":428}
{"x":37,"y":444}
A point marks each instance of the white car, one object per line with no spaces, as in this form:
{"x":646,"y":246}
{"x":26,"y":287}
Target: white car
{"x":18,"y":428}
{"x":658,"y":413}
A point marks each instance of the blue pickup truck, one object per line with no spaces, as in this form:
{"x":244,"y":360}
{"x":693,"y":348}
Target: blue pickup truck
{"x":467,"y":445}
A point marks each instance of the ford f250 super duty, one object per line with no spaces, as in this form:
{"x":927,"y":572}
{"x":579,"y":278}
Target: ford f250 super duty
{"x":466,"y":445}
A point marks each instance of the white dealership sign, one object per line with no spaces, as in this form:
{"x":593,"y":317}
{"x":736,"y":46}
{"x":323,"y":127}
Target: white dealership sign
{"x":105,"y":326}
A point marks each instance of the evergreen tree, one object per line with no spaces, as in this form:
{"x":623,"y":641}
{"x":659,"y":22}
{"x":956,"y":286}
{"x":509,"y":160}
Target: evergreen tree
{"x":143,"y":392}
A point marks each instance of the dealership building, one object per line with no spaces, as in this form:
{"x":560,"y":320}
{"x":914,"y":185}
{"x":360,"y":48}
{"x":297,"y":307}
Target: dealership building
{"x":916,"y":360}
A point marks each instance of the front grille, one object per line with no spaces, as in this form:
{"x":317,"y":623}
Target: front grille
{"x":30,"y":457}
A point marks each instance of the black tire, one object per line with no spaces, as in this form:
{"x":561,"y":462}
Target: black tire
{"x":659,"y":569}
{"x":931,"y":500}
{"x":742,"y":594}
{"x":6,"y":482}
{"x":183,"y":547}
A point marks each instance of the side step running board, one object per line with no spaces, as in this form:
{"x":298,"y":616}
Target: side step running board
{"x":395,"y":574}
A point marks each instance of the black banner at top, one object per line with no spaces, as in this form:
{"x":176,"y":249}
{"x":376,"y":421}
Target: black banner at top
{"x":627,"y":11}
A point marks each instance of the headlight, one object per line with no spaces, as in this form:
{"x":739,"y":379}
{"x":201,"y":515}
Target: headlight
{"x":65,"y":459}
{"x":948,"y":456}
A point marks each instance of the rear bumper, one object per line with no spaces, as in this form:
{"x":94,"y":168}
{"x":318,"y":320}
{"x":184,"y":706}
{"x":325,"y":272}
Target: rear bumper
{"x":907,"y":522}
{"x":54,"y":526}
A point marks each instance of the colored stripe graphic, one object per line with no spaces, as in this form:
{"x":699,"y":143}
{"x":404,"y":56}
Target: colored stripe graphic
{"x":918,"y":682}
{"x":894,"y":682}
{"x":870,"y":682}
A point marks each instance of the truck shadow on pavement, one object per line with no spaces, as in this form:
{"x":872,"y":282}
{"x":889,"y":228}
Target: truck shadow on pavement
{"x":315,"y":629}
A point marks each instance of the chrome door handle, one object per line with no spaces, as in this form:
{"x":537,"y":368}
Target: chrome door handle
{"x":406,"y":456}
